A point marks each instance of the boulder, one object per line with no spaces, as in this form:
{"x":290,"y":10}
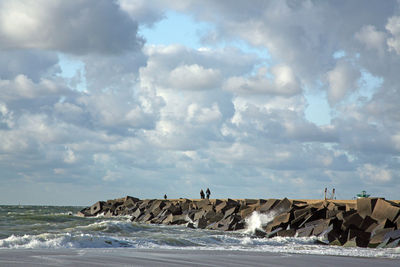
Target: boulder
{"x":246,"y":212}
{"x":385,"y":210}
{"x":393,"y":244}
{"x":368,"y":224}
{"x":351,"y":206}
{"x":305,"y":231}
{"x":287,"y":233}
{"x":378,"y":236}
{"x":175,"y":219}
{"x":365,"y":206}
{"x":320,"y":226}
{"x":353,"y":220}
{"x":96,"y":208}
{"x":201,"y":223}
{"x":220,"y":208}
{"x":201,"y":204}
{"x":362,"y":238}
{"x":270,"y":204}
{"x":84,"y":212}
{"x":230,"y":211}
{"x":248,"y":202}
{"x":283,"y":206}
{"x":211,"y":216}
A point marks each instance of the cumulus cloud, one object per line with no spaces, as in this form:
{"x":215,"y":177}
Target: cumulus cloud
{"x":76,"y":27}
{"x":282,"y":83}
{"x":342,"y":80}
{"x":372,"y":38}
{"x":170,"y":117}
{"x":393,"y":26}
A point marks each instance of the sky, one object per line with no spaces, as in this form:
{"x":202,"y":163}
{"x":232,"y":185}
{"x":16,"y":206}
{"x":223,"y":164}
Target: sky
{"x":100,"y":99}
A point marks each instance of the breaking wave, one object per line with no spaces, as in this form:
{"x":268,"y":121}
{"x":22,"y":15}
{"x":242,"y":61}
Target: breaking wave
{"x":56,"y":229}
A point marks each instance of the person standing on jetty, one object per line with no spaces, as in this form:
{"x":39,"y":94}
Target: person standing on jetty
{"x":165,"y":196}
{"x":208,"y":192}
{"x":202,"y":194}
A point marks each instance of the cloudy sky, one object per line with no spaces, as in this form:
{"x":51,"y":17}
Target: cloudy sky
{"x":100,"y":99}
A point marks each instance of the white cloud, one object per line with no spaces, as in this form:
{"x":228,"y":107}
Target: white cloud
{"x":342,"y":80}
{"x":193,"y":77}
{"x":282,"y":83}
{"x":372,"y":38}
{"x":393,"y":26}
{"x":375,"y":174}
{"x":77,"y":27}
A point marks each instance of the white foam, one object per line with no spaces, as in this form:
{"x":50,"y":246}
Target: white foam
{"x":257,"y":220}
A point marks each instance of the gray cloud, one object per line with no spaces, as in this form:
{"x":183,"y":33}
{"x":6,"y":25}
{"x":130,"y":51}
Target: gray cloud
{"x":77,"y":27}
{"x":176,"y":118}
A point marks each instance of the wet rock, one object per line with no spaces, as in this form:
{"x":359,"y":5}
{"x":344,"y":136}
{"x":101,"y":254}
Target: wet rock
{"x":96,"y":208}
{"x":287,"y":233}
{"x":305,"y":231}
{"x":378,"y":236}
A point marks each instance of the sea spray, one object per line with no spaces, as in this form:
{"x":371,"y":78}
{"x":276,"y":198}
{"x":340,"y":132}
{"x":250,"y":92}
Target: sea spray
{"x":258,"y":220}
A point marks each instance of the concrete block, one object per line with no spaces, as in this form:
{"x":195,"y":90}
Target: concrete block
{"x":84,"y":212}
{"x":220,"y":207}
{"x":246,"y":212}
{"x":321,"y":227}
{"x":385,"y":210}
{"x":248,"y":202}
{"x":270,"y":204}
{"x":287,"y":233}
{"x":283,"y":206}
{"x":201,"y":223}
{"x":305,"y":231}
{"x":353,"y":220}
{"x":230,"y":211}
{"x":393,"y":244}
{"x":365,"y":206}
{"x":351,"y":206}
{"x":395,"y":234}
{"x":378,"y":236}
{"x":96,"y":208}
{"x":274,"y":232}
{"x":368,"y":224}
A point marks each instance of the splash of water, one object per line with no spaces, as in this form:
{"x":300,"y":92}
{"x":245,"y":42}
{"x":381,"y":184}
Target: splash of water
{"x":257,"y":220}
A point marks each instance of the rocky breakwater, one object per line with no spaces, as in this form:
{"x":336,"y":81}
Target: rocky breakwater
{"x":367,"y":222}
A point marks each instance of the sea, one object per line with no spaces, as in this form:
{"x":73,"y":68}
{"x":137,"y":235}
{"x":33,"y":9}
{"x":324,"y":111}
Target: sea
{"x":56,"y":227}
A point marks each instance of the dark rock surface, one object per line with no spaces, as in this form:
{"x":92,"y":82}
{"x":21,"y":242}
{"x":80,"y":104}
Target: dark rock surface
{"x":368,"y":222}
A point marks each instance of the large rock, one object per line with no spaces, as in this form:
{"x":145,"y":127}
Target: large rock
{"x":353,"y":220}
{"x":365,"y":206}
{"x":385,"y":210}
{"x":378,"y":236}
{"x":96,"y":208}
{"x":270,"y":204}
{"x":283,"y":206}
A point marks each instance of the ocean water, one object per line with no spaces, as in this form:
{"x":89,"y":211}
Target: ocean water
{"x":50,"y":227}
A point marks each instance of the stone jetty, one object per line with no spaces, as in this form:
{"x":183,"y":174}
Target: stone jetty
{"x":365,"y":222}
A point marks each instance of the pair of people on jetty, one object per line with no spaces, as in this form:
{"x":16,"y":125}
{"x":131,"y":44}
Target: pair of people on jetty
{"x":208,"y":192}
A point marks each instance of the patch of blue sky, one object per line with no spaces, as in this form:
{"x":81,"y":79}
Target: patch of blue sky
{"x":318,"y":110}
{"x":74,"y":71}
{"x":178,"y":28}
{"x":175,"y":28}
{"x":339,"y":54}
{"x":368,"y":84}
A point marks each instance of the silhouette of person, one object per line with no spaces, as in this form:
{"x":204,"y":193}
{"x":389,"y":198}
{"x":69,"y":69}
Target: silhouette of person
{"x":208,"y":192}
{"x":202,"y":194}
{"x":165,"y":196}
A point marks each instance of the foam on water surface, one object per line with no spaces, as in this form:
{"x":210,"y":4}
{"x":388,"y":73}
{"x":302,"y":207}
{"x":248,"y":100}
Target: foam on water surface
{"x":32,"y":230}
